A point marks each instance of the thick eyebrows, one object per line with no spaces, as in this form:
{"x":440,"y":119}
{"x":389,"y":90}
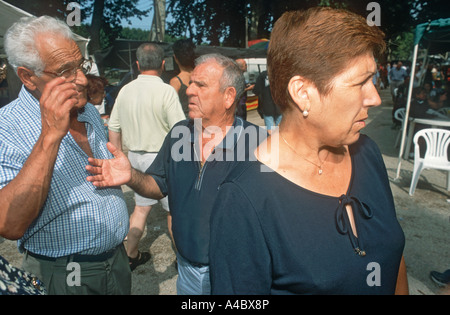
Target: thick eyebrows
{"x":197,"y":82}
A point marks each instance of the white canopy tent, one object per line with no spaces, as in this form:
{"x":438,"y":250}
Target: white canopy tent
{"x":435,"y":37}
{"x":10,"y":14}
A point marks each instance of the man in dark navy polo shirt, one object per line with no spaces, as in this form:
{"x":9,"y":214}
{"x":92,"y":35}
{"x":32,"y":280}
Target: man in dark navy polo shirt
{"x":196,"y":156}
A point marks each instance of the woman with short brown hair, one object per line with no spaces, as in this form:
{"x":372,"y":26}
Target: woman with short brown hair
{"x":315,"y":213}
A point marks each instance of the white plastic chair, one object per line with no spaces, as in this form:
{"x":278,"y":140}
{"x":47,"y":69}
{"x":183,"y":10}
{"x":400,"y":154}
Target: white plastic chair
{"x":400,"y":116}
{"x":437,"y":143}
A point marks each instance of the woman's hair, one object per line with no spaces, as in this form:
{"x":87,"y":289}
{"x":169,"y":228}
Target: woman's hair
{"x":150,"y":56}
{"x":317,"y":44}
{"x":184,"y":50}
{"x":20,"y":40}
{"x":232,"y":75}
{"x":96,"y":85}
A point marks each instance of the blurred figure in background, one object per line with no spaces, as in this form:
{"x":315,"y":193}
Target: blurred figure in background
{"x":184,"y":55}
{"x":267,"y":109}
{"x":241,"y":109}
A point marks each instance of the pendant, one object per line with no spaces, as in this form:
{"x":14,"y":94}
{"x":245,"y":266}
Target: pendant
{"x":360,"y":252}
{"x":320,"y":171}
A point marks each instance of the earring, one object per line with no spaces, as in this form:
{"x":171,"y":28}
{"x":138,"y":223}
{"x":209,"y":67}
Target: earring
{"x":305,"y":113}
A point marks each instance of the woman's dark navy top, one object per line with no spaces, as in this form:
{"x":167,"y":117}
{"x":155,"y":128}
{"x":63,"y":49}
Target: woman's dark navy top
{"x":271,"y":236}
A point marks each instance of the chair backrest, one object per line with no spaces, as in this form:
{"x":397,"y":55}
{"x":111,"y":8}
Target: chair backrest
{"x":437,"y":142}
{"x":400,"y":114}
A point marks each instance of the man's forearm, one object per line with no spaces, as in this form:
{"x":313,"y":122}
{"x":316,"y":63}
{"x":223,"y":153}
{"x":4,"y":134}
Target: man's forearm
{"x":25,"y":195}
{"x":144,"y":185}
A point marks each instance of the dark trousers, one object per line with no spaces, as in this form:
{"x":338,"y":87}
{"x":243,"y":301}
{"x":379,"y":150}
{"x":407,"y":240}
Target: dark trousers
{"x":64,"y":276}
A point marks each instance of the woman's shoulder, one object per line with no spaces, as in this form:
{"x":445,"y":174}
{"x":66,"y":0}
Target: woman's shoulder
{"x":245,"y":174}
{"x":252,"y":179}
{"x":366,"y":152}
{"x":365,"y":146}
{"x":175,"y":83}
{"x":242,"y":172}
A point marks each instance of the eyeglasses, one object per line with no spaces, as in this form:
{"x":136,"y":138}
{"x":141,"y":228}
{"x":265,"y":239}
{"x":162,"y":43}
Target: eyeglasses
{"x":85,"y":66}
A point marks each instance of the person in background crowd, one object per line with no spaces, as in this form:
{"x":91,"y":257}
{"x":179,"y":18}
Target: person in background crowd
{"x":402,"y":96}
{"x":241,"y":110}
{"x":419,"y":104}
{"x":145,"y":111}
{"x":97,"y":96}
{"x":397,"y":77}
{"x":96,"y":92}
{"x":384,"y":77}
{"x":267,"y":108}
{"x":46,"y":137}
{"x":316,"y":208}
{"x":438,"y":76}
{"x":184,"y":55}
{"x":419,"y":75}
{"x":376,"y":79}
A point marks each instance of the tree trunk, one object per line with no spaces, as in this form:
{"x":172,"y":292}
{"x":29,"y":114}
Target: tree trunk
{"x":96,"y":25}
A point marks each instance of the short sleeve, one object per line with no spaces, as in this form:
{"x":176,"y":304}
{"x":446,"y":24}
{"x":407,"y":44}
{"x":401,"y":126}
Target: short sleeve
{"x":11,"y":162}
{"x":114,"y":122}
{"x":158,"y":168}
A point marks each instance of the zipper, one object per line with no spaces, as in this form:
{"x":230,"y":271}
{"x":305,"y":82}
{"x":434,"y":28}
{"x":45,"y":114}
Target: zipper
{"x":201,"y":171}
{"x":198,"y":183}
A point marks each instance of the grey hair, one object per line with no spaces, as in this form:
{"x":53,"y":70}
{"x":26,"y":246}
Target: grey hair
{"x":20,"y":40}
{"x":232,"y":75}
{"x":150,"y":56}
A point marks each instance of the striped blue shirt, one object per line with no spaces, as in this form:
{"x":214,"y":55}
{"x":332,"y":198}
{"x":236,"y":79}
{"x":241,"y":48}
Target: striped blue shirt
{"x":76,"y":217}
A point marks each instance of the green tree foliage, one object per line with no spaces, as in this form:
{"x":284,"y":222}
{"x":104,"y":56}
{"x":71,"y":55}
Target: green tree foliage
{"x":106,"y":18}
{"x":401,"y":46}
{"x":224,"y":22}
{"x":134,"y":34}
{"x":227,"y":22}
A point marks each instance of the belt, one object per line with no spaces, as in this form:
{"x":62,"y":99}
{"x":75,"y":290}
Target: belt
{"x":78,"y":257}
{"x":193,"y":264}
{"x":197,"y":265}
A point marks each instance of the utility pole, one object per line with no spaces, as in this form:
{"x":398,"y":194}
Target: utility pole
{"x":159,"y":21}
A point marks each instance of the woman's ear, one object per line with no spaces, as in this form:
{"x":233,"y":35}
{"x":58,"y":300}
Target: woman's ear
{"x":26,"y":76}
{"x":298,"y":91}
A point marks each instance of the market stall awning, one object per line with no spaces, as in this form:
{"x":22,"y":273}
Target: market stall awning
{"x":434,"y":35}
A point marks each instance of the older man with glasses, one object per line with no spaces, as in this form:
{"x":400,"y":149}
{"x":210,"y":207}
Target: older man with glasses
{"x":71,"y":233}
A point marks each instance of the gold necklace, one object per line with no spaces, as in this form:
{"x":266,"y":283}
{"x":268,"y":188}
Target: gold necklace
{"x":318,"y":165}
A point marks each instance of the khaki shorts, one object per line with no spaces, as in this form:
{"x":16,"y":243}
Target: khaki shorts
{"x":142,"y":161}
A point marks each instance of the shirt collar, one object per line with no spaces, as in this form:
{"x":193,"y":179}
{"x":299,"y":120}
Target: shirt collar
{"x":234,"y":133}
{"x":149,"y":77}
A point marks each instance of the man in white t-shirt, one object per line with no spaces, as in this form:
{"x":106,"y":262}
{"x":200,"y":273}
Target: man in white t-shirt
{"x":145,"y":111}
